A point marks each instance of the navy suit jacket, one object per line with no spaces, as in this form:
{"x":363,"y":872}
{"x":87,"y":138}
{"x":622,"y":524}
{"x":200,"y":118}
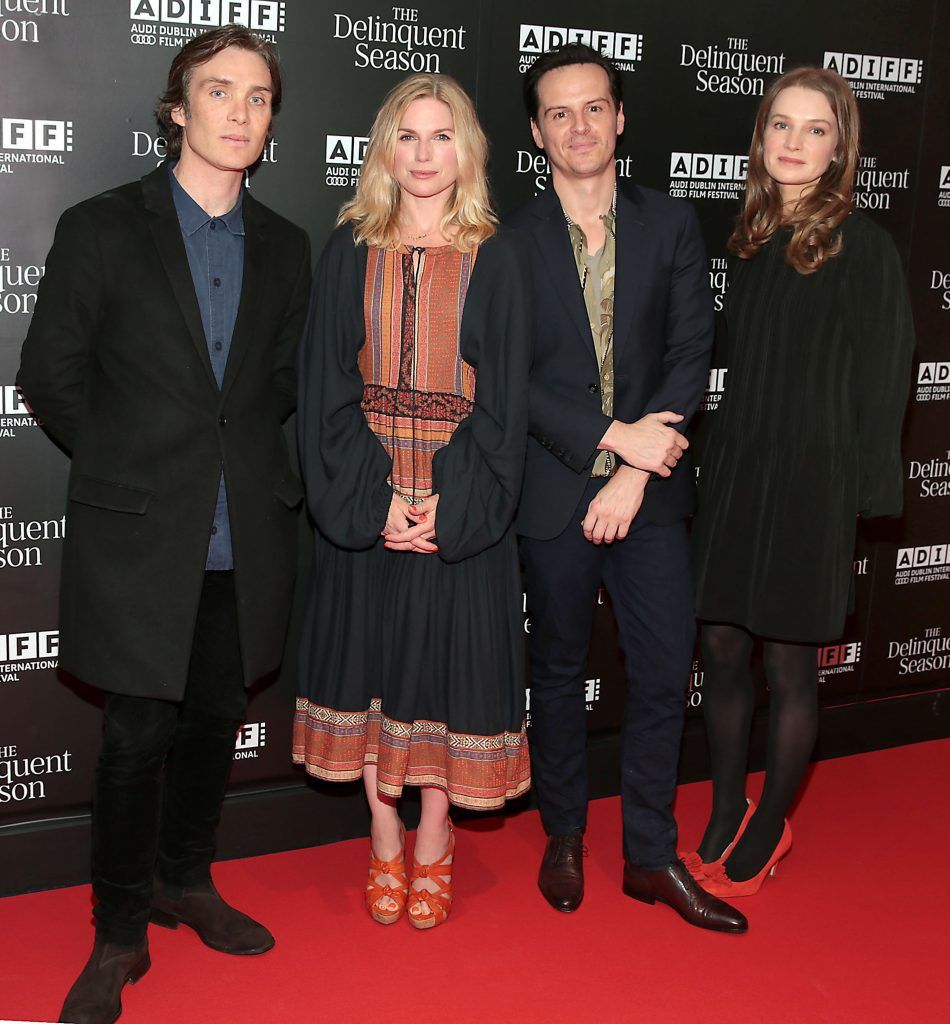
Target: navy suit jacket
{"x":663,"y":335}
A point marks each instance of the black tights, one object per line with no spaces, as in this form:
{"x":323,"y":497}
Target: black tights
{"x":792,"y":674}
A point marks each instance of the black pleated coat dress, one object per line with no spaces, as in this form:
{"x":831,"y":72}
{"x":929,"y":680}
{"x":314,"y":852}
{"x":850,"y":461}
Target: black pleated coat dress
{"x":807,"y":436}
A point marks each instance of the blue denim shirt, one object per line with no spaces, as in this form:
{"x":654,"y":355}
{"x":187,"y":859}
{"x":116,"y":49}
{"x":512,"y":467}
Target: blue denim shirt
{"x":215,"y":249}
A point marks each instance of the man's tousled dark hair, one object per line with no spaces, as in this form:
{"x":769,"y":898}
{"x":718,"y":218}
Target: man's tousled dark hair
{"x":562,"y":57}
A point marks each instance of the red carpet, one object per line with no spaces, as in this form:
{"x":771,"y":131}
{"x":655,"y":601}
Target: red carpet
{"x":854,"y":928}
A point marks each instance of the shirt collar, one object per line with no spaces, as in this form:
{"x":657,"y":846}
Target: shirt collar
{"x":191,"y":216}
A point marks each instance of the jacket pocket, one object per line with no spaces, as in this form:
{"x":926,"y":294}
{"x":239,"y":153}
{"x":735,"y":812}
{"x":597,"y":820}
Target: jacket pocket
{"x":87,"y":490}
{"x":289,"y":491}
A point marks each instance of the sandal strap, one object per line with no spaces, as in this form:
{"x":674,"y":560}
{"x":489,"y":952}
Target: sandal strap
{"x":396,"y":869}
{"x":396,"y":866}
{"x":376,"y":892}
{"x":438,"y":868}
{"x":438,"y":901}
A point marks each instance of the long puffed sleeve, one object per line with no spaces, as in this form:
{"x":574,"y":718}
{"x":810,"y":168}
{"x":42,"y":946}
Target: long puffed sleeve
{"x":344,"y":466}
{"x":883,"y":344}
{"x":478,"y":473}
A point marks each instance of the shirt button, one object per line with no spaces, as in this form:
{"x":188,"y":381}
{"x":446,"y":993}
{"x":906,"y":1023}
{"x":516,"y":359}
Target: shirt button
{"x":214,"y":528}
{"x":592,"y":388}
{"x":218,"y":346}
{"x":217,"y":282}
{"x":222,"y":421}
{"x":213,"y":225}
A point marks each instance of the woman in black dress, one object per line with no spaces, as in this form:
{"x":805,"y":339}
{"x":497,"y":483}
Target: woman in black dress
{"x":808,"y":438}
{"x":412,"y":432}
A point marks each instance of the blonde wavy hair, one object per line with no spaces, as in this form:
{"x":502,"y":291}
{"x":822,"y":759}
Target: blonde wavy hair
{"x":818,"y":215}
{"x":374,"y":210}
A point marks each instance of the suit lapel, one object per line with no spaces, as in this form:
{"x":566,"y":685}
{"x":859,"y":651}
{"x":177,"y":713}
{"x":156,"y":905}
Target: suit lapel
{"x":553,"y":240}
{"x":171,"y":249}
{"x":252,"y":290}
{"x":632,"y":262}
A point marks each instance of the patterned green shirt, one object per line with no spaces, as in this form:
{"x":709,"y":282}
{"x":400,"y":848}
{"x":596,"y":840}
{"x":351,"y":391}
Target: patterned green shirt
{"x":597,"y":272}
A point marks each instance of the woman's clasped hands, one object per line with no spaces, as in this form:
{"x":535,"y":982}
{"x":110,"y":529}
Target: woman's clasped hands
{"x":411,"y":527}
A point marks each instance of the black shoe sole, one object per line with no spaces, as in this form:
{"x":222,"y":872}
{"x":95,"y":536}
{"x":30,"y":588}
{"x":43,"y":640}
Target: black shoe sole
{"x":165,"y":920}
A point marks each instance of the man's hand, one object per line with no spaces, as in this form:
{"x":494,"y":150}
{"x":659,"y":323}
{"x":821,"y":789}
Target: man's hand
{"x":617,"y":503}
{"x":648,"y":444}
{"x":418,"y":533}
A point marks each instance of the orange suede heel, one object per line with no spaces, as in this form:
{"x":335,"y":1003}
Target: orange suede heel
{"x":721,"y":885}
{"x":701,"y":869}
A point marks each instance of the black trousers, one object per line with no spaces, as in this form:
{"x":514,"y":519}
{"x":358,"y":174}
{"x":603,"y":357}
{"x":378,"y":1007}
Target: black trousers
{"x":649,"y":578}
{"x":162,"y":773}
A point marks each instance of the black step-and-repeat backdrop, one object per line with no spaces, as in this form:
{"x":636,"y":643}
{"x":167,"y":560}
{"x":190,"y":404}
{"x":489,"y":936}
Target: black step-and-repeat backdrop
{"x":78,"y":80}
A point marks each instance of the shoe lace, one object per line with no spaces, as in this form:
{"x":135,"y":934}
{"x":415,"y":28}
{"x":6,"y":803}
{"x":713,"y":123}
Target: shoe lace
{"x":569,"y":851}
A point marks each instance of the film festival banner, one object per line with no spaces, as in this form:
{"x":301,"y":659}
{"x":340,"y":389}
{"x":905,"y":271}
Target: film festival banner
{"x":78,"y":82}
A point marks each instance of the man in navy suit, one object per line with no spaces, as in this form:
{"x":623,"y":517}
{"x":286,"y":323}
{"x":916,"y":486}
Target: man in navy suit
{"x":623,"y":328}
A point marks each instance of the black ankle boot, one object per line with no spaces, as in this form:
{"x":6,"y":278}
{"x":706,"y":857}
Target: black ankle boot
{"x":96,"y":996}
{"x":218,"y":924}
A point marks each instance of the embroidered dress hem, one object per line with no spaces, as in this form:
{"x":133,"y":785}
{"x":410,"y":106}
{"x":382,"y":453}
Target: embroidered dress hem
{"x":478,"y":772}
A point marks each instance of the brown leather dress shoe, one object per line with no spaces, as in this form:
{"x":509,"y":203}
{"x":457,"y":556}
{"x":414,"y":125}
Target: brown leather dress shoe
{"x":96,"y":996}
{"x":217,"y":923}
{"x":561,"y":877}
{"x":676,"y":887}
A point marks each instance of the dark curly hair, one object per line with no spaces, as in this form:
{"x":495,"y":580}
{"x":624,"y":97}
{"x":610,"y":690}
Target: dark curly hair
{"x":199,"y":51}
{"x":563,"y":57}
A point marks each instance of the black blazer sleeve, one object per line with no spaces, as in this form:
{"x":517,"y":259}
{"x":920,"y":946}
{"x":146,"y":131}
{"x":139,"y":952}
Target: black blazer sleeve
{"x":345,"y":468}
{"x":689,"y":327}
{"x":570,"y":430}
{"x":478,"y":473}
{"x":63,"y":329}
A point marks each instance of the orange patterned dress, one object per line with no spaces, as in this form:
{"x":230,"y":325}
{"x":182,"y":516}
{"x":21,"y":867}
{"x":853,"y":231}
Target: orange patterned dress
{"x":412,"y":662}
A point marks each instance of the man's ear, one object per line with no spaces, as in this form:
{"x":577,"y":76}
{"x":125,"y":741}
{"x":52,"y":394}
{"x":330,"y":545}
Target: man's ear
{"x":620,"y":119}
{"x":178,"y":115}
{"x":536,"y":134}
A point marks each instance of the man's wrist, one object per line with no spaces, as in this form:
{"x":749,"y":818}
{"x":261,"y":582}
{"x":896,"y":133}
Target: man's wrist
{"x":609,"y":442}
{"x":635,"y":476}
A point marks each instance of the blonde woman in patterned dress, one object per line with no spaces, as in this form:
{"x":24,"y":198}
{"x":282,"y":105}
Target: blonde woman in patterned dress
{"x":412,"y":428}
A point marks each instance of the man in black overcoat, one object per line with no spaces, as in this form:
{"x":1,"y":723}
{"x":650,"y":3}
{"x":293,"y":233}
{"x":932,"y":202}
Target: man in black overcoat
{"x":161,"y":357}
{"x":623,"y":327}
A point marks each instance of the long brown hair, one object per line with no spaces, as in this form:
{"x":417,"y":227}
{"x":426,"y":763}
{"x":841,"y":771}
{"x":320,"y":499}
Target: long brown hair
{"x":374,"y":210}
{"x":199,"y":51}
{"x":817,"y":216}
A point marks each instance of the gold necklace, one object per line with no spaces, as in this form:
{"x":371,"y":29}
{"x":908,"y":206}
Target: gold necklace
{"x":415,"y":238}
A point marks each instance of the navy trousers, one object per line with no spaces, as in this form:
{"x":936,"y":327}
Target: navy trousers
{"x":649,"y":578}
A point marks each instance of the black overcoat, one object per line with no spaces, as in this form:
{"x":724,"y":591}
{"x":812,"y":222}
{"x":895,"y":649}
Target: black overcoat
{"x":807,"y":435}
{"x":663,"y":334}
{"x":116,"y":366}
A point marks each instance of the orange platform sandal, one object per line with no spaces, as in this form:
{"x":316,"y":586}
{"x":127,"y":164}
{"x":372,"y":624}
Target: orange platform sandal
{"x":377,"y":893}
{"x":439,"y":901}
